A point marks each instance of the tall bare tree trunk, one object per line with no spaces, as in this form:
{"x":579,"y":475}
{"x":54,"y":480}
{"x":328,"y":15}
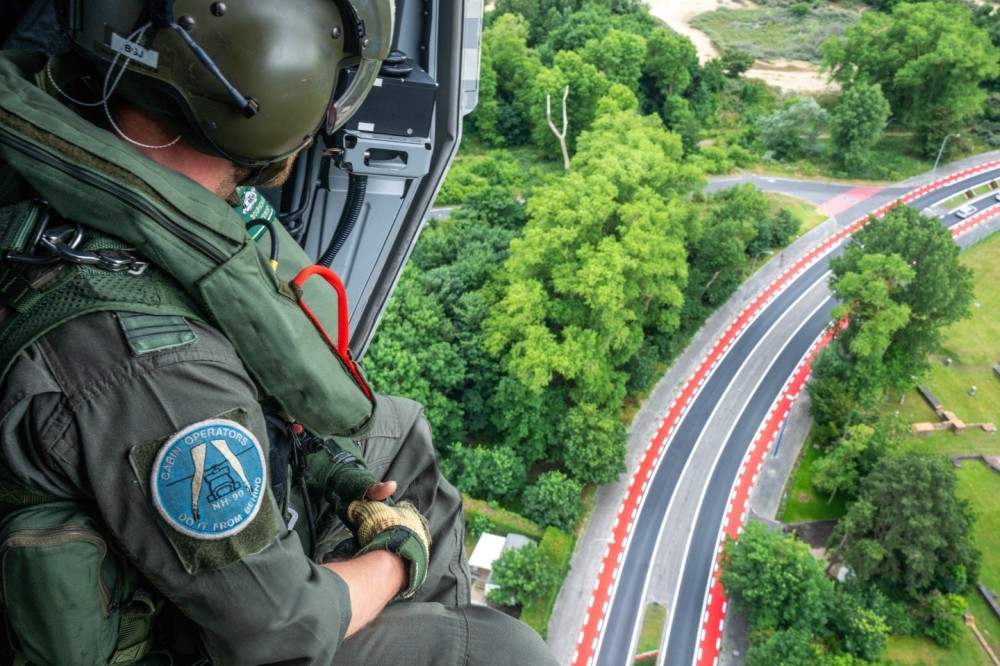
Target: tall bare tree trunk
{"x":559,"y":135}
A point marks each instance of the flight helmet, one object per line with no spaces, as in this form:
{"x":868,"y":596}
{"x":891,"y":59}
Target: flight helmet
{"x":249,"y":80}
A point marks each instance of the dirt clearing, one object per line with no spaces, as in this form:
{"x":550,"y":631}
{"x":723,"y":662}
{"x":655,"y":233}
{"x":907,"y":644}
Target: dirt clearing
{"x":792,"y":75}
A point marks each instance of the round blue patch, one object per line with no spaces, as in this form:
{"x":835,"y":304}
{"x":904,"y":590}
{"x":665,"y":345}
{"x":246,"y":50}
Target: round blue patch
{"x":209,"y":479}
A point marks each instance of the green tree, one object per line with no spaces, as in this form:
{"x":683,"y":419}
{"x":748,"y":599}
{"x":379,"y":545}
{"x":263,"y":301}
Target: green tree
{"x":856,"y":125}
{"x":493,"y":474}
{"x":775,"y":580}
{"x":677,"y":115}
{"x":528,"y":420}
{"x":930,"y":60}
{"x":601,"y":261}
{"x":736,"y":61}
{"x":908,"y":532}
{"x":587,"y":84}
{"x":851,"y":457}
{"x":938,"y":293}
{"x":942,"y":616}
{"x":873,"y":307}
{"x":790,"y":132}
{"x":555,"y":499}
{"x":773,"y":231}
{"x":718,"y":254}
{"x":457,"y":256}
{"x":516,"y":67}
{"x":594,"y":20}
{"x":705,"y":92}
{"x":835,"y":400}
{"x":839,"y":468}
{"x":521,"y":573}
{"x":415,"y":354}
{"x":594,"y":441}
{"x":862,"y":631}
{"x":670,"y":59}
{"x":791,"y":647}
{"x":541,"y":15}
{"x":620,"y":55}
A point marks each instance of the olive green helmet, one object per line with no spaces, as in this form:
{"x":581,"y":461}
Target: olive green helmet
{"x":249,"y":80}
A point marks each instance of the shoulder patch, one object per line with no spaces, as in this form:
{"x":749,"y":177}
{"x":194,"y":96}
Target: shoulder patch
{"x":208,"y":481}
{"x":148,"y":334}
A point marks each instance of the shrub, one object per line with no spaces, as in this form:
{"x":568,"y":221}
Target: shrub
{"x":554,"y":500}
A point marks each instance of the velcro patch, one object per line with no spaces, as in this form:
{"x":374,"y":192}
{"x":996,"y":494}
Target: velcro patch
{"x":209,"y":479}
{"x":209,"y":485}
{"x":148,"y":334}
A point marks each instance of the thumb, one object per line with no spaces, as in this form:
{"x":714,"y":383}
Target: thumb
{"x":380,"y":491}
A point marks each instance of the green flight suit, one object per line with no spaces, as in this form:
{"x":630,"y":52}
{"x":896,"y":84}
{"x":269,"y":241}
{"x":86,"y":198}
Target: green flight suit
{"x":77,"y":402}
{"x":84,"y":409}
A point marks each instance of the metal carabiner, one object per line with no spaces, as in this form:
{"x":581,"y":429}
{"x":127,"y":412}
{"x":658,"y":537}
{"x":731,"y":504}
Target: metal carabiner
{"x":116,"y":261}
{"x":70,"y":235}
{"x":62,"y":242}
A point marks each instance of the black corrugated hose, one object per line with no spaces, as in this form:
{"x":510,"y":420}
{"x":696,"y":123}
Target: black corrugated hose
{"x":356,"y":185}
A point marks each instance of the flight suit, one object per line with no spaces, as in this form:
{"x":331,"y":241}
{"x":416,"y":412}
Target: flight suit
{"x":78,"y":403}
{"x":90,"y":411}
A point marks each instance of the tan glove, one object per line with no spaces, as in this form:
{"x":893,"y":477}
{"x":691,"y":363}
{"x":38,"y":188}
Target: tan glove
{"x":400,"y":529}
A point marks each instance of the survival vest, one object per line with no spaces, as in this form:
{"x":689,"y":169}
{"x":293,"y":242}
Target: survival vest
{"x":290,"y":331}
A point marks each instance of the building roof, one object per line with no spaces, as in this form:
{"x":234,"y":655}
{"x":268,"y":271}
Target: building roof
{"x":487,"y":550}
{"x":515,"y":541}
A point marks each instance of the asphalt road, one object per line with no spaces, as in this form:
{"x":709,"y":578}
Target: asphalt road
{"x":692,"y":483}
{"x":723,"y":433}
{"x":814,"y":191}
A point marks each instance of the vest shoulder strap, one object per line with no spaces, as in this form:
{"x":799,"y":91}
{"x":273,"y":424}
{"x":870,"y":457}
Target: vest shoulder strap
{"x":38,"y":294}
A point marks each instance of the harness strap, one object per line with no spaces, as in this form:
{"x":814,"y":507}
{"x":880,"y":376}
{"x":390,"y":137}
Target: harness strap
{"x":41,"y":288}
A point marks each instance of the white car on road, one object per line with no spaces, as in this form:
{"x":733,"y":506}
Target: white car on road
{"x":966,"y":210}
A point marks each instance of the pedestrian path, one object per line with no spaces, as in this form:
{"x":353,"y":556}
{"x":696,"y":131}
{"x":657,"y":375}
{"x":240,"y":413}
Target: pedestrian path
{"x":850,"y":198}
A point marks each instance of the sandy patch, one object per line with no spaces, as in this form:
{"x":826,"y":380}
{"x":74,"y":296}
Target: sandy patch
{"x":678,"y":16}
{"x":786,"y":74}
{"x":797,"y":75}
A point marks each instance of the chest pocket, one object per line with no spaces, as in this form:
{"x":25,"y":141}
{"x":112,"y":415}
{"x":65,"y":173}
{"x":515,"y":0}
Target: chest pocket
{"x":68,"y":596}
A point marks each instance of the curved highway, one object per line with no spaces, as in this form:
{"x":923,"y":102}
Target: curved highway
{"x":677,"y":525}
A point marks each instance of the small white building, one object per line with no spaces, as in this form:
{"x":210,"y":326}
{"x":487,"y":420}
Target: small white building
{"x":488,"y":549}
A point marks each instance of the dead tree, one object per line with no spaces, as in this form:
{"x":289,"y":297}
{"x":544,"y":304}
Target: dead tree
{"x":559,"y":135}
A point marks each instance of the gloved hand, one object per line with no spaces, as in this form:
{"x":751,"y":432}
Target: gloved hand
{"x":400,"y":529}
{"x":342,"y":473}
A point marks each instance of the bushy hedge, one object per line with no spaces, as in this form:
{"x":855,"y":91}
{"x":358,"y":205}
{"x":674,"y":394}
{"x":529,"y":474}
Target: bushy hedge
{"x":557,"y":548}
{"x":503,"y":521}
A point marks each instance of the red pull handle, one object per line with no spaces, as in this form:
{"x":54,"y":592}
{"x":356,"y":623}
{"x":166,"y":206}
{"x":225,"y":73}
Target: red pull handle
{"x":343,"y":329}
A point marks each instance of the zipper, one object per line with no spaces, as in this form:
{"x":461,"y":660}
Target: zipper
{"x":110,"y":187}
{"x":57,"y":536}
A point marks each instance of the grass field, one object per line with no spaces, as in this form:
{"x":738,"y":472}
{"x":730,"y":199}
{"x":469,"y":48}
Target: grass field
{"x":980,"y":485}
{"x":892,"y":160}
{"x":806,"y":212}
{"x":803,"y":502}
{"x":925,"y":652}
{"x":774,"y":32}
{"x":960,"y":199}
